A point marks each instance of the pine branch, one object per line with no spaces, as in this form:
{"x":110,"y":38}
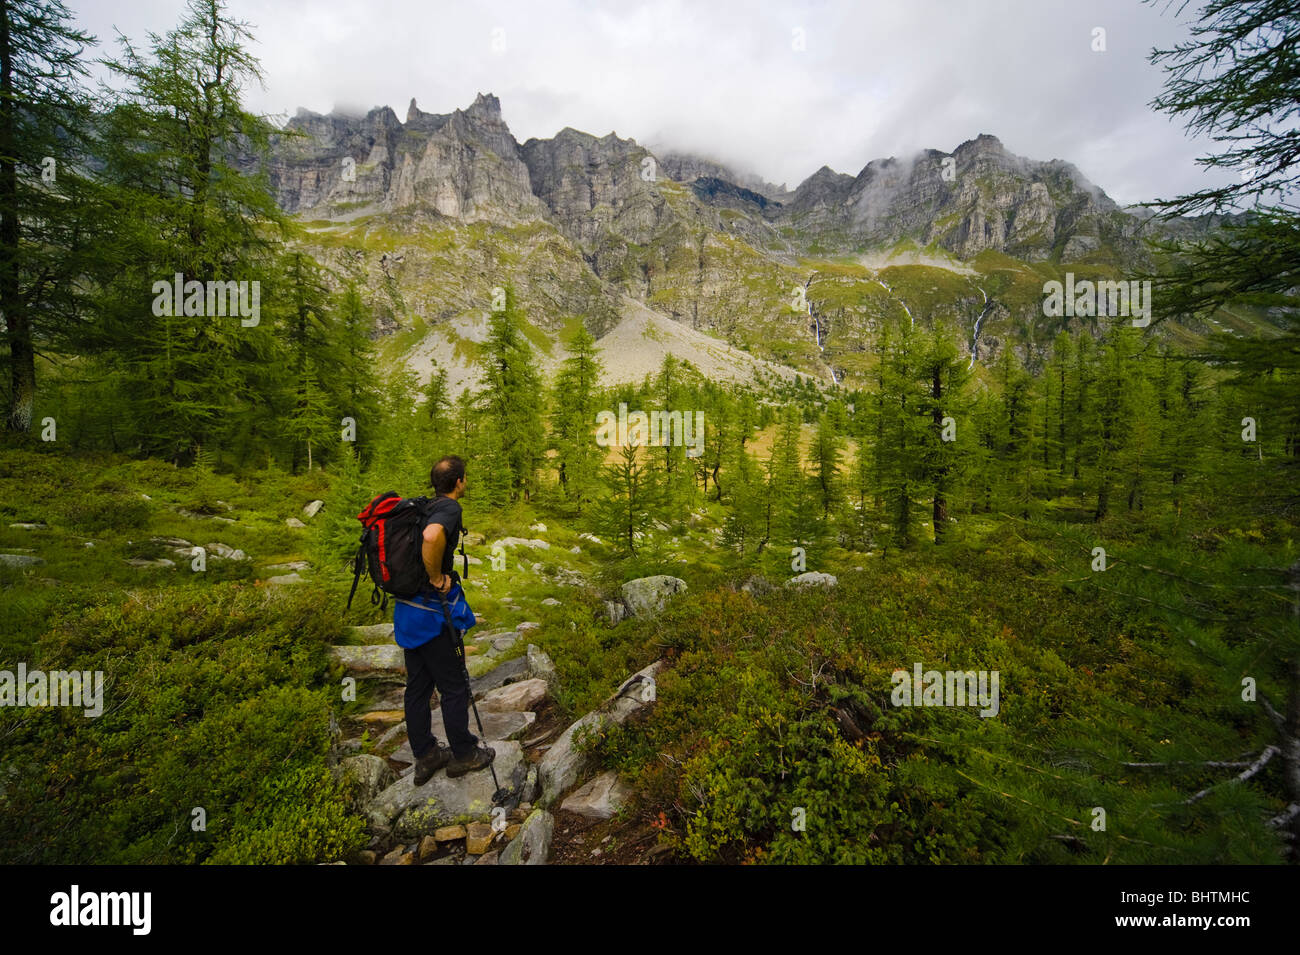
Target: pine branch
{"x":1255,"y":767}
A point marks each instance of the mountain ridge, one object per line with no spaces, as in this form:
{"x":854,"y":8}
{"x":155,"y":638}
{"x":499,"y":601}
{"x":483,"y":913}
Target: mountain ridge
{"x":434,"y":213}
{"x":1029,"y":208}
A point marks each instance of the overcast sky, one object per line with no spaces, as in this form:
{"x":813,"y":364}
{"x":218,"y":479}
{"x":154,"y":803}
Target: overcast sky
{"x":775,"y":88}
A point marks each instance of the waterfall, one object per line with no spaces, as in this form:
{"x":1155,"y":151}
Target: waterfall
{"x":899,"y":300}
{"x":817,"y":326}
{"x":975,"y":342}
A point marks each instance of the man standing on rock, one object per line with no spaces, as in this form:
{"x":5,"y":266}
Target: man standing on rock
{"x":430,"y":643}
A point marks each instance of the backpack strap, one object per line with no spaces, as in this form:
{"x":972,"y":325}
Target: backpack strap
{"x":358,"y":565}
{"x":412,"y":603}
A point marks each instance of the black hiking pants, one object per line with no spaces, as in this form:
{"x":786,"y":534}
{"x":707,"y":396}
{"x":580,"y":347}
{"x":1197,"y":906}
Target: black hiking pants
{"x":436,"y":664}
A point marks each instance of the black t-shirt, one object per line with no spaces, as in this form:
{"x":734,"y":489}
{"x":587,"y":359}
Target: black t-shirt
{"x":446,"y":511}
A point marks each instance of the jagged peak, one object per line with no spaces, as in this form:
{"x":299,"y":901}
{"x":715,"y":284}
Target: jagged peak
{"x":825,"y":174}
{"x":485,"y":106}
{"x":568,"y":132}
{"x":984,"y":141}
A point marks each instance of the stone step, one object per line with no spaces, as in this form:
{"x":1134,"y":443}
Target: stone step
{"x":372,"y":661}
{"x":509,"y":672}
{"x":517,"y":697}
{"x":496,"y":727}
{"x":408,"y":811}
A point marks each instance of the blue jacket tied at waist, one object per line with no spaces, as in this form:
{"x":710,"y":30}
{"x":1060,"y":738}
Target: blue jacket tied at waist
{"x":418,"y":619}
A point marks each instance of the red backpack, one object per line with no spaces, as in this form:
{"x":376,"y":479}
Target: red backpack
{"x":392,"y":540}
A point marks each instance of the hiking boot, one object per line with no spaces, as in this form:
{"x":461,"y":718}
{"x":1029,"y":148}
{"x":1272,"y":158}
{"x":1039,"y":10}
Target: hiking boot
{"x":430,"y":763}
{"x":480,"y":758}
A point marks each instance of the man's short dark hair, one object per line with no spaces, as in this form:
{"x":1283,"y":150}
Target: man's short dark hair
{"x":446,"y":473}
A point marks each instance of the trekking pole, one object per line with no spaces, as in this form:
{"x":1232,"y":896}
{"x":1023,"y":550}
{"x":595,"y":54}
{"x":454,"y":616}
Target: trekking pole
{"x":500,"y":794}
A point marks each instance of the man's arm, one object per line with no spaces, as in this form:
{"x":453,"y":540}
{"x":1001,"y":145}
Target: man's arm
{"x":435,"y":542}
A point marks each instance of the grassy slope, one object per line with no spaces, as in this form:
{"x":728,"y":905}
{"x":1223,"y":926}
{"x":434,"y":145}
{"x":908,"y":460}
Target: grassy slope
{"x":214,"y":674}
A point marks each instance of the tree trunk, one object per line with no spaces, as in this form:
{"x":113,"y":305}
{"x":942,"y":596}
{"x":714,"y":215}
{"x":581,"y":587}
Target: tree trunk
{"x":22,"y":356}
{"x":939,"y":518}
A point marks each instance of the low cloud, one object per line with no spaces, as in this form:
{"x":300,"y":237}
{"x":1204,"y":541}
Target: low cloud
{"x":731,"y":81}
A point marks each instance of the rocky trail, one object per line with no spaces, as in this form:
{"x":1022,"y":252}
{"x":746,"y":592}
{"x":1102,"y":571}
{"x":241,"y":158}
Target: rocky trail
{"x":559,"y":808}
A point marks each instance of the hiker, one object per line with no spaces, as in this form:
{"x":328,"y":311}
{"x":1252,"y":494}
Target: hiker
{"x":431,"y":653}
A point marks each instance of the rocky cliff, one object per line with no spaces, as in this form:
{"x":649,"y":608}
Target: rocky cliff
{"x":603,"y":193}
{"x":431,"y":213}
{"x":464,"y":165}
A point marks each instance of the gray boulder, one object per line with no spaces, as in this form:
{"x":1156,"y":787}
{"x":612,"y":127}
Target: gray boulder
{"x":615,"y":612}
{"x":290,"y":565}
{"x":504,"y":643}
{"x":539,"y":665}
{"x":518,"y":697}
{"x":564,"y":764}
{"x":646,"y":596}
{"x":599,"y":799}
{"x":564,"y":577}
{"x":312,"y":509}
{"x":522,"y":542}
{"x":503,"y":673}
{"x":226,"y":552}
{"x":364,"y":777}
{"x":532,"y":787}
{"x":533,"y":842}
{"x":813,"y":579}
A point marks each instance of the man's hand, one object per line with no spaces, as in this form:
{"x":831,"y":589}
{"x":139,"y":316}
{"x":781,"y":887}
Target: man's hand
{"x":442,"y":584}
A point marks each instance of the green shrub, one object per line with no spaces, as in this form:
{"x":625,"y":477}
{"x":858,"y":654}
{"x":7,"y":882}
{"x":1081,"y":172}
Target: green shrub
{"x":96,"y":513}
{"x":215,"y":696}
